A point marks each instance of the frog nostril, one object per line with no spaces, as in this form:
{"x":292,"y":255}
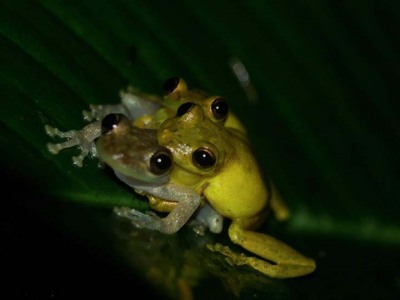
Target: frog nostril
{"x":110,"y":122}
{"x":184,"y":108}
{"x":171,"y":84}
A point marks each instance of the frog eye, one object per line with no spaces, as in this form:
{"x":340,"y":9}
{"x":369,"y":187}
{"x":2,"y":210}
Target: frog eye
{"x":203,"y":158}
{"x":219,"y":108}
{"x":184,"y":108}
{"x":161,"y":161}
{"x":171,"y":84}
{"x":110,"y":122}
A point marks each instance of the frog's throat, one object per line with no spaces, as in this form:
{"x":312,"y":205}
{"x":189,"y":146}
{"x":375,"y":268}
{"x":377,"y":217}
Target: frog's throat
{"x":134,"y":182}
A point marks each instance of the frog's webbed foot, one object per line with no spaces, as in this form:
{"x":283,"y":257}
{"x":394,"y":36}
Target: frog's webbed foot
{"x":280,"y":270}
{"x":83,"y":139}
{"x":147,"y":220}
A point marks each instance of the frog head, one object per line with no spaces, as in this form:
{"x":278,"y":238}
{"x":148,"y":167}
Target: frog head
{"x":133,"y":153}
{"x":215,"y":108}
{"x":200,"y":147}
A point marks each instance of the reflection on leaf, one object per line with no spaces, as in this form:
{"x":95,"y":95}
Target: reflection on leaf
{"x":180,"y":263}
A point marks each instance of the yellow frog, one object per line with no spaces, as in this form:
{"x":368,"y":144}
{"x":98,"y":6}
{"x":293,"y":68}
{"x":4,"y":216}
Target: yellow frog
{"x":217,"y":163}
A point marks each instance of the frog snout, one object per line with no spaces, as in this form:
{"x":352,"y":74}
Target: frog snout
{"x":164,"y":136}
{"x":170,"y":138}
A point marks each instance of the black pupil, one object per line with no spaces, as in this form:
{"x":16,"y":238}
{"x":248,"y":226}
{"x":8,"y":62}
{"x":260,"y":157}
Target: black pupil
{"x":184,"y":108}
{"x":160,"y":163}
{"x":171,"y":84}
{"x":109,"y":122}
{"x":219,"y":108}
{"x":203,"y":158}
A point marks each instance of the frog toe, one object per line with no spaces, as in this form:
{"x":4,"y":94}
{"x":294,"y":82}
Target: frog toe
{"x":50,"y":131}
{"x":138,"y":219}
{"x":53,"y":148}
{"x":92,"y":114}
{"x":78,"y":160}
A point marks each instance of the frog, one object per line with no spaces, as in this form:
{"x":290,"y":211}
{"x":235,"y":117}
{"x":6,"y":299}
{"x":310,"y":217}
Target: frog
{"x":218,"y":164}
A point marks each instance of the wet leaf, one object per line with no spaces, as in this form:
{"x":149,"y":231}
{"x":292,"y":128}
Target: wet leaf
{"x":321,"y":112}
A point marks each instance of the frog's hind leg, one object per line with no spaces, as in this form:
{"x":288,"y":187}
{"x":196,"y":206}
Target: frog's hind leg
{"x":281,"y":261}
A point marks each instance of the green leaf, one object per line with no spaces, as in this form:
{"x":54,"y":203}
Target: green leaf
{"x":322,"y":115}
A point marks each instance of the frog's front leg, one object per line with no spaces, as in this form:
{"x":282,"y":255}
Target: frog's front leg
{"x":206,"y":216}
{"x":282,"y":261}
{"x":189,"y":201}
{"x":83,"y":138}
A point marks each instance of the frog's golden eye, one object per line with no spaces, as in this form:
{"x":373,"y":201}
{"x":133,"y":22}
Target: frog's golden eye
{"x":110,"y":122}
{"x":219,"y":108}
{"x":184,"y":108}
{"x":203,"y":158}
{"x":161,"y":161}
{"x":171,"y":84}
